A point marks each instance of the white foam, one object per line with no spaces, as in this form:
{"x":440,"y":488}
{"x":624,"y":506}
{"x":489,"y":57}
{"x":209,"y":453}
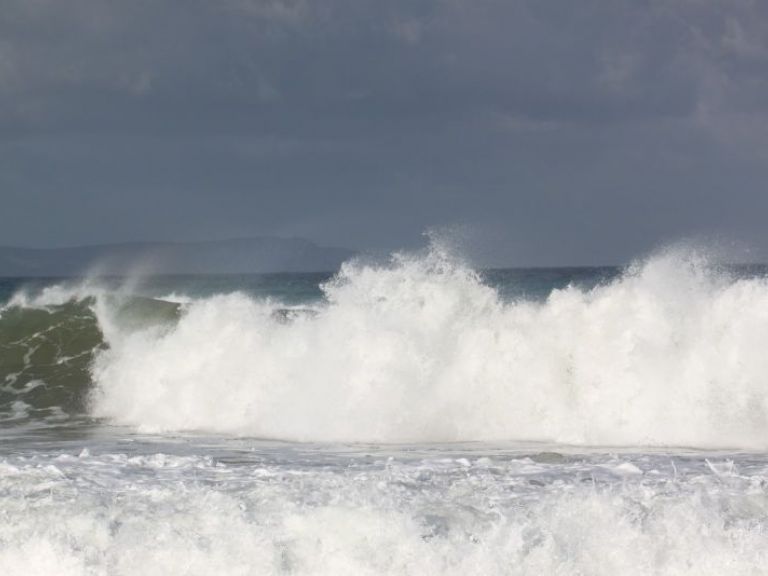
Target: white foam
{"x":176,"y":298}
{"x":55,"y":294}
{"x":672,"y":353}
{"x":115,"y":514}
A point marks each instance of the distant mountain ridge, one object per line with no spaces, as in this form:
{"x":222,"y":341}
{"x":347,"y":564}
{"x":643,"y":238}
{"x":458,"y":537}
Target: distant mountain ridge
{"x":239,"y":256}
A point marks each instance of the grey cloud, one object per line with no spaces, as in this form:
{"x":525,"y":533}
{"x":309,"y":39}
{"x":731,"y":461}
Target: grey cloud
{"x":588,"y":61}
{"x":579,"y":131}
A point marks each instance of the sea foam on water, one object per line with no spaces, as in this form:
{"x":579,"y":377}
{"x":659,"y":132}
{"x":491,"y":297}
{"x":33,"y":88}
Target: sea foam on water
{"x":408,"y":515}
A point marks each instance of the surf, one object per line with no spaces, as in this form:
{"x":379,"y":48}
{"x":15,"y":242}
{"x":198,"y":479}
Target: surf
{"x":423,"y":348}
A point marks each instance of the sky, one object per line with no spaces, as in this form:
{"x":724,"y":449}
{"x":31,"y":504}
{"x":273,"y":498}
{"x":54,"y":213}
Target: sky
{"x":538,"y":132}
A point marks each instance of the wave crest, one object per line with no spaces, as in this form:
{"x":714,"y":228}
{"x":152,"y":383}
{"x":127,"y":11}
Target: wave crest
{"x":670,"y":353}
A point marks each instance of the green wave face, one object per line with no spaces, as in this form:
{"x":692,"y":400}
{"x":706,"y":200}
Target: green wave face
{"x":46,"y":353}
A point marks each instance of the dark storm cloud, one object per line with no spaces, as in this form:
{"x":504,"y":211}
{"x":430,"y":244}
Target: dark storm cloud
{"x":565,"y":131}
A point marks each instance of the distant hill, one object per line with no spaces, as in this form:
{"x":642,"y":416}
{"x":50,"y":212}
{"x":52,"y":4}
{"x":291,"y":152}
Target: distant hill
{"x":242,"y":256}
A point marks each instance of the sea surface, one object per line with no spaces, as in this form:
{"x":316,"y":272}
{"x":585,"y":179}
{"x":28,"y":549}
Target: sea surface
{"x":413,"y":416}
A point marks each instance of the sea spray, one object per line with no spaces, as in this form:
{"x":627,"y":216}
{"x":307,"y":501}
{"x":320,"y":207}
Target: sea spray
{"x":421,"y":349}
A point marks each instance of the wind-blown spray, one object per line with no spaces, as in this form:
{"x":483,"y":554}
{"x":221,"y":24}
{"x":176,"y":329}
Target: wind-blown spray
{"x":669,"y":353}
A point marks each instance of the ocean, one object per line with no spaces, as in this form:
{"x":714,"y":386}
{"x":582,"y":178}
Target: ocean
{"x":414,"y":416}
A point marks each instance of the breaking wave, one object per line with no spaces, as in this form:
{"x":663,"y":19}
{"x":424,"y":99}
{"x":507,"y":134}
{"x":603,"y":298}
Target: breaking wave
{"x":669,"y":353}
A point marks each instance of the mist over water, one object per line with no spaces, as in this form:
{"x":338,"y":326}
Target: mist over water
{"x":408,"y":417}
